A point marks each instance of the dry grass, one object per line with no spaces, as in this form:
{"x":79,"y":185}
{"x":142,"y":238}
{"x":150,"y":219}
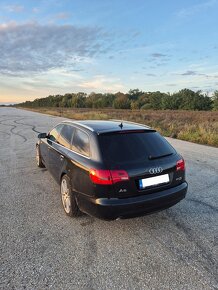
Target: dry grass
{"x":195,"y":126}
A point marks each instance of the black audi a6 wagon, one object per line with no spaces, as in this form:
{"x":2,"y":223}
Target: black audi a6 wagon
{"x":112,"y":169}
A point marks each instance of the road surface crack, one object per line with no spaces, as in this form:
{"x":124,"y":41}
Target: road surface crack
{"x":13,"y":127}
{"x":5,"y":133}
{"x":32,"y":126}
{"x":203,"y":203}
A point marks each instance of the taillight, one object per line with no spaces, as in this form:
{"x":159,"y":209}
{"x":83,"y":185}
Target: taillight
{"x":99,"y":176}
{"x":180,"y":165}
{"x":119,"y":175}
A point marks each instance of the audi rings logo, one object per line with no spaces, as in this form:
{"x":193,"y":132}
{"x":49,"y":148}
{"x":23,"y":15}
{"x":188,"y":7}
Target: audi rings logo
{"x":155,"y":170}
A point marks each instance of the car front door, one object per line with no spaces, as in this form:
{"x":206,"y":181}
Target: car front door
{"x":53,"y":150}
{"x":44,"y":152}
{"x":59,"y":150}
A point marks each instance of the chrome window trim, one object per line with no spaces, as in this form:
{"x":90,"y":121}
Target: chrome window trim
{"x":67,"y":149}
{"x":72,"y":123}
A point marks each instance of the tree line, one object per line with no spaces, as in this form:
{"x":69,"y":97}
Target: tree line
{"x":184,"y":99}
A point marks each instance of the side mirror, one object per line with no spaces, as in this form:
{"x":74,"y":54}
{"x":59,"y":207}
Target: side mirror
{"x":42,"y":135}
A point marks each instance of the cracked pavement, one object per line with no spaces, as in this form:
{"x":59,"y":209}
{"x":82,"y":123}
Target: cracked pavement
{"x":41,"y":248}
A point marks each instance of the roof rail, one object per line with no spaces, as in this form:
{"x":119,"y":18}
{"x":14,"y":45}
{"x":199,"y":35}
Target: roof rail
{"x":83,"y":125}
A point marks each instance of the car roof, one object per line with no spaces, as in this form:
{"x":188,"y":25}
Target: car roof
{"x":107,"y":126}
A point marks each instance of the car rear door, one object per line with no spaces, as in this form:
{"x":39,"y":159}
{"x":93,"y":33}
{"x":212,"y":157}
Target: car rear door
{"x":81,"y":161}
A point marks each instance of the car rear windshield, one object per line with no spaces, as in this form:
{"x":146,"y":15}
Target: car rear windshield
{"x":133,"y":147}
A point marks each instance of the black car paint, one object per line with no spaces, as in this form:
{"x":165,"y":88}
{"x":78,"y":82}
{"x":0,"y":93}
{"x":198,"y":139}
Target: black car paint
{"x":123,"y":199}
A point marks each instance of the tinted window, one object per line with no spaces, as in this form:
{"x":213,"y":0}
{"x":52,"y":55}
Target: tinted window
{"x":133,"y":147}
{"x":81,"y":142}
{"x":66,"y":136}
{"x":54,"y":134}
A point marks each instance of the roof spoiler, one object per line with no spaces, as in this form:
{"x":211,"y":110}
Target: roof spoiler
{"x":123,"y":131}
{"x":130,"y":122}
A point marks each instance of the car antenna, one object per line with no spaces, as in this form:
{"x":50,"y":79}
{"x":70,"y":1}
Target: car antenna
{"x":121,"y":125}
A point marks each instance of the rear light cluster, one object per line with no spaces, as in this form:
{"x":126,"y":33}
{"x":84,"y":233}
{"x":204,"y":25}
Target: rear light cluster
{"x":180,"y":165}
{"x":99,"y":176}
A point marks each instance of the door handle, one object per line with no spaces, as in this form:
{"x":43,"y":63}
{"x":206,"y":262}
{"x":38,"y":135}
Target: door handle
{"x":61,"y":157}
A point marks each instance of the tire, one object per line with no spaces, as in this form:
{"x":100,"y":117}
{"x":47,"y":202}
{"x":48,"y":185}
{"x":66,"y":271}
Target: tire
{"x":67,"y":197}
{"x":39,"y":158}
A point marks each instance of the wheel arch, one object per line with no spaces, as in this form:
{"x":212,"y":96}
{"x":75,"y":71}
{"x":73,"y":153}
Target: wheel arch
{"x":64,"y":172}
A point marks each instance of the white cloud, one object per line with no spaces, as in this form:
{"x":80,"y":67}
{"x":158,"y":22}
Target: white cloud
{"x":198,"y":8}
{"x":14,"y":8}
{"x":62,"y":15}
{"x":33,"y":48}
{"x":35,"y":10}
{"x":102,"y":83}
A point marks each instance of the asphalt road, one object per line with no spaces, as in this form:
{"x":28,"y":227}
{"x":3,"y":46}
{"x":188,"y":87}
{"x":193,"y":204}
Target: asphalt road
{"x":41,"y":248}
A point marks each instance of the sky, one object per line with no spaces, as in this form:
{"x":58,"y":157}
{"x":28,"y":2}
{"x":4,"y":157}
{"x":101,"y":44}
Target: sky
{"x":52,"y":47}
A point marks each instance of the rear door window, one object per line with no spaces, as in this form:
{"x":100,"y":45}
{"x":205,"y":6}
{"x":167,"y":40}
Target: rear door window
{"x":66,"y":136}
{"x":80,"y":142}
{"x":133,"y":147}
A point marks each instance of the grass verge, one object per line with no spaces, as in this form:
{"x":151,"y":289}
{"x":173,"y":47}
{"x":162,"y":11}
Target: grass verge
{"x":195,"y":126}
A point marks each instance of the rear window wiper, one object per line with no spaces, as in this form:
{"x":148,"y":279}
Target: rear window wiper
{"x":160,"y":156}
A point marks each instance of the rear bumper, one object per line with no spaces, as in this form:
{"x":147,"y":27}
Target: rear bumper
{"x":113,"y":208}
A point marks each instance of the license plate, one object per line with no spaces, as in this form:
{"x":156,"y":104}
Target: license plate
{"x":155,"y":180}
